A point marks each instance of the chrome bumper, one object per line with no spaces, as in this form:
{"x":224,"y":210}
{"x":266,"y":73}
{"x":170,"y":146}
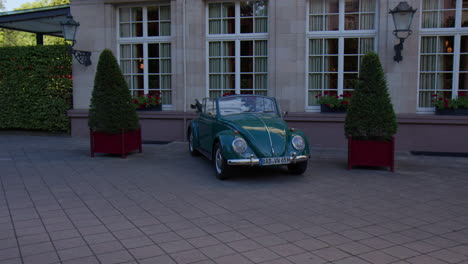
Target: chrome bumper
{"x":255,"y":161}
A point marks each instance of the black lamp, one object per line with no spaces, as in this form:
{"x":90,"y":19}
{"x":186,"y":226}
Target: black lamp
{"x":402,"y":17}
{"x":69,"y":28}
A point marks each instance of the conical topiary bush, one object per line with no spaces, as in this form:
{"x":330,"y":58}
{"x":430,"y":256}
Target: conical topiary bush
{"x":370,"y":120}
{"x":113,"y":121}
{"x":370,"y":116}
{"x":111,"y":108}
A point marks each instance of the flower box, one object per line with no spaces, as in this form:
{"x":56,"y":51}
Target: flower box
{"x":371,"y":153}
{"x":452,"y":111}
{"x":326,"y":109}
{"x":152,"y":108}
{"x":120,"y":143}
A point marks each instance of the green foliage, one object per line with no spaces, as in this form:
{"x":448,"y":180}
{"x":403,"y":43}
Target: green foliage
{"x":111,"y":106}
{"x":370,"y":115}
{"x":441,"y":102}
{"x":150,"y":100}
{"x":334,"y":101}
{"x":35,"y":88}
{"x":42,"y":3}
{"x":10,"y":38}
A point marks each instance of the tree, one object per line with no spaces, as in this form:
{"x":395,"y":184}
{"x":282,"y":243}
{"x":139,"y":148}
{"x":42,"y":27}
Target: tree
{"x":370,"y":116}
{"x":111,"y":106}
{"x":19,"y":38}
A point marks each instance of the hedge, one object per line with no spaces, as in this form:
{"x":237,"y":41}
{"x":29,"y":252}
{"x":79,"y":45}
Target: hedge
{"x":35,"y":88}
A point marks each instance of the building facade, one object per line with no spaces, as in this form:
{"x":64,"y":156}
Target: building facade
{"x":290,"y":49}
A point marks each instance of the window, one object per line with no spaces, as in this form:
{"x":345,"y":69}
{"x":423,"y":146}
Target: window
{"x":443,"y":56}
{"x":145,"y":49}
{"x":237,"y":48}
{"x":340,"y":33}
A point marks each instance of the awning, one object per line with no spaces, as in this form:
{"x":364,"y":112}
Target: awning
{"x":43,"y":21}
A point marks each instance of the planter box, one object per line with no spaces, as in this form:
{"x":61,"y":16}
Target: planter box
{"x":449,"y":111}
{"x":371,"y":153}
{"x":121,"y":143}
{"x":155,"y":108}
{"x":325,"y":109}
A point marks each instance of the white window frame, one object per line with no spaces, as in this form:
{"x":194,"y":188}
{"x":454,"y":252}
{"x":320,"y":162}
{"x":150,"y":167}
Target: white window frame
{"x":237,"y":37}
{"x":339,"y":34}
{"x":145,"y":40}
{"x":457,"y":32}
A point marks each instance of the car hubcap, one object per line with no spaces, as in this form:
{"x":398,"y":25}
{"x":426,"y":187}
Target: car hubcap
{"x":219,"y":161}
{"x":191,"y":142}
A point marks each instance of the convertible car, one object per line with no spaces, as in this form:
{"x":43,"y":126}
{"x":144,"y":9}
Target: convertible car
{"x":245,"y":130}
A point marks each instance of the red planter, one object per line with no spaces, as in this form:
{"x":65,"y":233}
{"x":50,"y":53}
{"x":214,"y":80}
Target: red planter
{"x":371,"y":153}
{"x":121,"y":143}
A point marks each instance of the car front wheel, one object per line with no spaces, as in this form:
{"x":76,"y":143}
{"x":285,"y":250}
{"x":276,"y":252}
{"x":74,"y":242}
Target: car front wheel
{"x":222,"y":169}
{"x":297,"y":168}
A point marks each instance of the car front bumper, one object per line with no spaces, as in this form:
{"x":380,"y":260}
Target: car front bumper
{"x":256,"y":161}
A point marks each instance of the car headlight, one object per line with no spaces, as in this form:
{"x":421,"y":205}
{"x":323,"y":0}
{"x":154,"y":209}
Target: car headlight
{"x":298,"y":142}
{"x":239,"y":145}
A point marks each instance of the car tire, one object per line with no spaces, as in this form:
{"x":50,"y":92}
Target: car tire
{"x":192,"y":150}
{"x":297,"y":168}
{"x":222,"y":169}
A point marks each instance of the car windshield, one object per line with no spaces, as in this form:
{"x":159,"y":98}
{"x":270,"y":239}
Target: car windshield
{"x":246,"y":104}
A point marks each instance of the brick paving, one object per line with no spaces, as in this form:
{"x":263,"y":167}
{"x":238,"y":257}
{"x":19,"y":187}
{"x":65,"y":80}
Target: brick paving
{"x":58,"y":205}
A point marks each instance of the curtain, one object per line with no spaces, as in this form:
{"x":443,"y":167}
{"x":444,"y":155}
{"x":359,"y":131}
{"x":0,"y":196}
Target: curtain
{"x":367,"y":16}
{"x":430,"y":14}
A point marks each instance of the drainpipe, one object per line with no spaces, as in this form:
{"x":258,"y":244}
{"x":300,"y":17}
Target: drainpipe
{"x":184,"y":22}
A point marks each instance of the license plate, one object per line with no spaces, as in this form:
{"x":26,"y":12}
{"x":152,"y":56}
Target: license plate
{"x":274,"y":161}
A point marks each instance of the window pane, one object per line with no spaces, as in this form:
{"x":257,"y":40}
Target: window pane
{"x":153,"y":13}
{"x":246,"y":25}
{"x":247,"y":48}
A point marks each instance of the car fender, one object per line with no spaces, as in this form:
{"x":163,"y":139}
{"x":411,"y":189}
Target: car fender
{"x":193,"y":127}
{"x":224,"y":139}
{"x":299,"y":133}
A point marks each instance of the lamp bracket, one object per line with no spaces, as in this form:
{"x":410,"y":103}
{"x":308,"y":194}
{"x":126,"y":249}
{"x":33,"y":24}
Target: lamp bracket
{"x":83,"y":57}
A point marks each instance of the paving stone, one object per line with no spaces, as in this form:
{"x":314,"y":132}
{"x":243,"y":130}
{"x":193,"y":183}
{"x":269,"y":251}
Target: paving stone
{"x":106,"y":247}
{"x":74,"y":253}
{"x":401,"y":252}
{"x":286,"y":250}
{"x":163,"y":259}
{"x":331,"y":253}
{"x":203,"y":241}
{"x":44,"y":258}
{"x":311,"y":244}
{"x":99,"y":238}
{"x":175,"y":246}
{"x":355,"y":248}
{"x":244,"y":245}
{"x":188,"y":256}
{"x":260,"y":255}
{"x":351,"y":260}
{"x":69,"y":243}
{"x":229,"y":236}
{"x":115,"y":257}
{"x":146,"y":252}
{"x":37,"y":248}
{"x":216,"y":251}
{"x":9,"y":253}
{"x":448,"y":256}
{"x":378,"y":257}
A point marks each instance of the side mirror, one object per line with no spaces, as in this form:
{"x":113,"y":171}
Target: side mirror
{"x":197,"y":106}
{"x":285,"y":113}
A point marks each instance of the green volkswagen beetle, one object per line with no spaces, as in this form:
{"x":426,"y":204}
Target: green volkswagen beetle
{"x":245,"y":130}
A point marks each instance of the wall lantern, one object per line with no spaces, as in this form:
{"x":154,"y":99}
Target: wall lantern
{"x":69,"y":29}
{"x":402,"y":17}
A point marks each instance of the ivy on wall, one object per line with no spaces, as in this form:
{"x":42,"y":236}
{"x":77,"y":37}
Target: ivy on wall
{"x":35,"y":88}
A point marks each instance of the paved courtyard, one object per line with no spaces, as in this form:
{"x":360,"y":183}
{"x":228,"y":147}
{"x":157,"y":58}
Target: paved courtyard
{"x":58,"y":205}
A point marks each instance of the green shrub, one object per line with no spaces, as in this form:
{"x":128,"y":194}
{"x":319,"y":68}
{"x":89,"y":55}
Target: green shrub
{"x":111,"y":106}
{"x":35,"y":88}
{"x":370,"y":115}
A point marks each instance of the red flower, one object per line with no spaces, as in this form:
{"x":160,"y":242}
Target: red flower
{"x":441,"y":99}
{"x":344,"y":102}
{"x":326,"y":92}
{"x":434,"y":95}
{"x":461,"y":93}
{"x":328,"y":105}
